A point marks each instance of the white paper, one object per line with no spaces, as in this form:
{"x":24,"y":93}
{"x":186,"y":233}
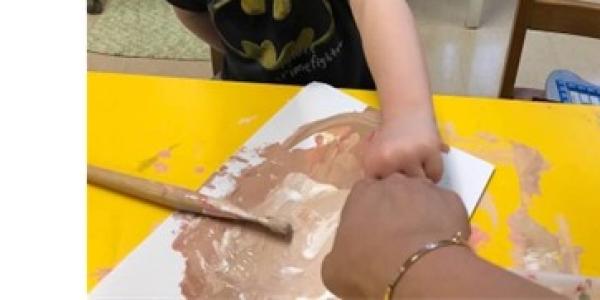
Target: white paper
{"x":153,"y":270}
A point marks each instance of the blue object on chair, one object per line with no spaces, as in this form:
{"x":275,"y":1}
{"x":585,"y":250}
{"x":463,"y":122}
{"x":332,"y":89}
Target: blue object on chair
{"x":567,"y":87}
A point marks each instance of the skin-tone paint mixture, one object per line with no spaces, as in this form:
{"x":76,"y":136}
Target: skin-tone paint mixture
{"x":487,"y":204}
{"x":101,"y":273}
{"x":549,"y":259}
{"x":530,"y":165}
{"x":247,"y":120}
{"x":155,"y":160}
{"x":478,"y":237}
{"x":160,"y":167}
{"x":536,"y":249}
{"x":199,"y":169}
{"x":305,"y":186}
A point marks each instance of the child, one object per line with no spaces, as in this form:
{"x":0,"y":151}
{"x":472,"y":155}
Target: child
{"x":299,"y":41}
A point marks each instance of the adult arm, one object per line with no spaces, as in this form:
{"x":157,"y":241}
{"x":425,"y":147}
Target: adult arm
{"x":385,"y":221}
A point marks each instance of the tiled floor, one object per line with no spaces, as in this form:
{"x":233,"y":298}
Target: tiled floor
{"x":460,"y":61}
{"x":463,"y":61}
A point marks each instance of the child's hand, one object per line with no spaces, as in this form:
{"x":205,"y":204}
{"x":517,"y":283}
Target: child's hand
{"x":409,"y":145}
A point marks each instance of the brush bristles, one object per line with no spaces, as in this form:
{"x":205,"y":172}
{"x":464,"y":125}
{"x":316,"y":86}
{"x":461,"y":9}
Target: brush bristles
{"x":278,"y":226}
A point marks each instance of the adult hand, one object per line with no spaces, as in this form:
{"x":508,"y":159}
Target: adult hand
{"x":382,"y":224}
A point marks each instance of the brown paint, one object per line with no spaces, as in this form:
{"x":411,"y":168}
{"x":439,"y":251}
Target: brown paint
{"x":160,"y":167}
{"x":536,"y":251}
{"x":100,"y":273}
{"x":530,"y":164}
{"x":306,"y":187}
{"x":199,"y":169}
{"x":487,"y":204}
{"x":535,"y":248}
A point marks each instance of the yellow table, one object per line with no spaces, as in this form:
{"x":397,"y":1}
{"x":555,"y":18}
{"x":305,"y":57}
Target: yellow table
{"x":180,"y":130}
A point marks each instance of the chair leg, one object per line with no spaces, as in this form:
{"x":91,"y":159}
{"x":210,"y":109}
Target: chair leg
{"x":94,"y":7}
{"x":515,"y":48}
{"x":473,"y":20}
{"x":216,"y":59}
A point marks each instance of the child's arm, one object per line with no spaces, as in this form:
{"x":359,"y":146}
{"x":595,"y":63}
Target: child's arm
{"x":408,"y":140}
{"x":200,"y":24}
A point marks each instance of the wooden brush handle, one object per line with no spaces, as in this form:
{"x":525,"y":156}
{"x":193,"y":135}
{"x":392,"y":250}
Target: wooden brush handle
{"x":159,"y":193}
{"x":179,"y":198}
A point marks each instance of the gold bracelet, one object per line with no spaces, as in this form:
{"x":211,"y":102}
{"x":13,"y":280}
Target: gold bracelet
{"x":456,"y":240}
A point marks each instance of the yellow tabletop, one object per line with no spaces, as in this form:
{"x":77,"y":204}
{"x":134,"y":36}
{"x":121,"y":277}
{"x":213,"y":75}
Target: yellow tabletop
{"x":547,"y":179}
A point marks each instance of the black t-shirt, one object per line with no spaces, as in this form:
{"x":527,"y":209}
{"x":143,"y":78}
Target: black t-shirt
{"x":288,"y":41}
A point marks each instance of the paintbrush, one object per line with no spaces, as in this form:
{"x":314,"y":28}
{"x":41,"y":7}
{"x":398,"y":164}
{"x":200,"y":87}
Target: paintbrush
{"x":181,"y":199}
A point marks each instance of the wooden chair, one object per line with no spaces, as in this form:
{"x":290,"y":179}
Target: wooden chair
{"x":474,"y":14}
{"x":94,"y":7}
{"x":562,"y":16}
{"x":216,"y":59}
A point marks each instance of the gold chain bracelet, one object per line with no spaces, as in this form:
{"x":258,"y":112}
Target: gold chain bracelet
{"x":456,"y":240}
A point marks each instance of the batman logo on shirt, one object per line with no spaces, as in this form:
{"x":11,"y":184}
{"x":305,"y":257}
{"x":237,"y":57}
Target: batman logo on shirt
{"x":273,"y":32}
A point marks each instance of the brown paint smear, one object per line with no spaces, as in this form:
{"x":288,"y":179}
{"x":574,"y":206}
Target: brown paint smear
{"x":306,"y":187}
{"x":535,"y":248}
{"x":530,"y":165}
{"x":536,"y":251}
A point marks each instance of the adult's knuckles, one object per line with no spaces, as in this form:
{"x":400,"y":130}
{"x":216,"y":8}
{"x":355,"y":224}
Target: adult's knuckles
{"x":393,"y":181}
{"x":397,"y":185}
{"x":360,"y":192}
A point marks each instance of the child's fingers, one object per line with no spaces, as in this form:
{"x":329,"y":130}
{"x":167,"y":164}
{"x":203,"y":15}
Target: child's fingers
{"x":380,"y":169}
{"x":434,"y":167}
{"x":445,"y":148}
{"x":413,"y":170}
